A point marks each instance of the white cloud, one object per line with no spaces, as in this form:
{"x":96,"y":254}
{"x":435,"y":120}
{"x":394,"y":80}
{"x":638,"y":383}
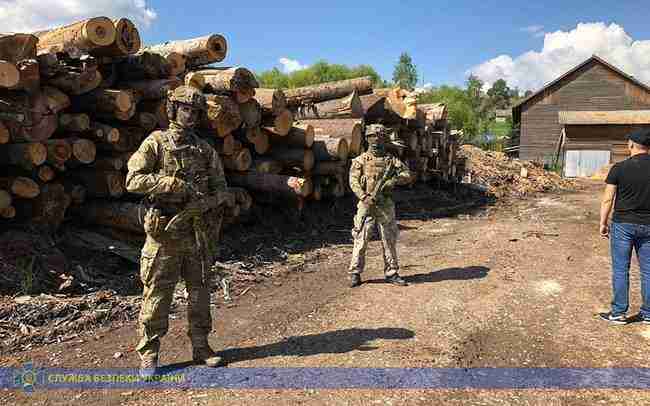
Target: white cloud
{"x":34,"y":15}
{"x":424,"y":88}
{"x":534,"y":30}
{"x":563,"y":50}
{"x":291,"y":65}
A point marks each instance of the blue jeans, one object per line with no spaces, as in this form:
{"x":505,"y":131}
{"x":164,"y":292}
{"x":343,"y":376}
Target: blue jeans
{"x":624,"y":237}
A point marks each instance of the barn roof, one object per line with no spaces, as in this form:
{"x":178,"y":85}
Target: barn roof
{"x":516,"y":109}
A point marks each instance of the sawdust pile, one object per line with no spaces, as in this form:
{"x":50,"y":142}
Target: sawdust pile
{"x":504,"y":177}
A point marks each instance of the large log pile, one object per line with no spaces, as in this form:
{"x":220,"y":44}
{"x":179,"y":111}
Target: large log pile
{"x":77,"y":101}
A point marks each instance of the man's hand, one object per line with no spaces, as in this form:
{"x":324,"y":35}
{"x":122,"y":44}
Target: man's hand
{"x":604,"y":230}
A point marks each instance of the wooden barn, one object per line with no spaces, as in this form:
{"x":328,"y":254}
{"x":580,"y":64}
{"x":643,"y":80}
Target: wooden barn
{"x":580,"y":120}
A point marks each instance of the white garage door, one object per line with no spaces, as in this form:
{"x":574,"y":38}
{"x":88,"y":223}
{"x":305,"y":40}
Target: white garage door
{"x":583,"y":164}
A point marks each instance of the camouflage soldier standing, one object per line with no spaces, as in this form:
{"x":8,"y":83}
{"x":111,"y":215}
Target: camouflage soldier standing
{"x":180,"y":173}
{"x":376,"y":205}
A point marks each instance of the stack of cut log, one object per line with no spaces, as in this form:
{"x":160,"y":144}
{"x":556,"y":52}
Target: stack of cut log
{"x":77,"y":101}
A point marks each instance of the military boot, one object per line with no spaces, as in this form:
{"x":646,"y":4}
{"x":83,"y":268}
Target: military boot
{"x":396,"y":280}
{"x":355,"y":280}
{"x":148,"y":365}
{"x":203,"y":354}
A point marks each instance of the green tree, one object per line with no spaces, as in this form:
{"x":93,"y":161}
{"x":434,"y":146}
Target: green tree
{"x":319,"y":72}
{"x":499,"y":94}
{"x":461,"y":115}
{"x":405,"y":74}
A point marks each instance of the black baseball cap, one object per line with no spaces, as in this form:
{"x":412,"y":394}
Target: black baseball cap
{"x":640,"y":137}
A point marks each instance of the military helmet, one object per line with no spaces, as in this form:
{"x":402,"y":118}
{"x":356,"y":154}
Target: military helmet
{"x":376,"y":133}
{"x":189,"y":96}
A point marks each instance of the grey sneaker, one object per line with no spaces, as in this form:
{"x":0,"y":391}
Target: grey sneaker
{"x":396,"y":280}
{"x":148,"y":366}
{"x":355,"y":280}
{"x":620,"y":320}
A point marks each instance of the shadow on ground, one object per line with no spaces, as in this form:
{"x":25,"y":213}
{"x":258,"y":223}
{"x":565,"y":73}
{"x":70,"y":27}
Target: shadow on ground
{"x":449,"y":274}
{"x":331,"y":342}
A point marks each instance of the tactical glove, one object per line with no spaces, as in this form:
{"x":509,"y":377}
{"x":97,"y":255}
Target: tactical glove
{"x":170,"y":184}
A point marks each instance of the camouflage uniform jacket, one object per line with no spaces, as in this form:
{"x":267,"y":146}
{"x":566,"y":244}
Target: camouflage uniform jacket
{"x":368,"y":169}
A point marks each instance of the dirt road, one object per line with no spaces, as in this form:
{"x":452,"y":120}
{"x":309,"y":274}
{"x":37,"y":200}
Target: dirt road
{"x":510,"y":287}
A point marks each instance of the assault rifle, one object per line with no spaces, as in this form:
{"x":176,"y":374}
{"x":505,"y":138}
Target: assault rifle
{"x":365,"y":208}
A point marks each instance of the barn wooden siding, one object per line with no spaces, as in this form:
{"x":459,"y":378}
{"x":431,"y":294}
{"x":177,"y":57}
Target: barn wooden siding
{"x":593,"y":86}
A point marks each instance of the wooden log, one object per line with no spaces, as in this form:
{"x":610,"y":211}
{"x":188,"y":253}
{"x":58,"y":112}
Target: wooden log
{"x":56,"y":100}
{"x":76,"y":191}
{"x":239,"y":161}
{"x":223,"y":115}
{"x":327,"y":91}
{"x":401,"y":101}
{"x":197,"y":51}
{"x":106,"y":101}
{"x":269,"y":184}
{"x":243,"y":199}
{"x":177,"y":64}
{"x":74,"y":122}
{"x":127,"y":40}
{"x":144,"y":65}
{"x":374,"y":108}
{"x":29,"y":75}
{"x":48,"y":209}
{"x":28,"y":155}
{"x":5,"y":199}
{"x":224,"y":146}
{"x":144,"y":120}
{"x":159,"y":109}
{"x":5,"y":136}
{"x":120,"y":215}
{"x":41,"y":174}
{"x":328,"y":149}
{"x":20,"y":186}
{"x":78,"y":37}
{"x":129,"y":139}
{"x":49,"y":65}
{"x":83,"y":151}
{"x":8,"y":212}
{"x":272,"y":100}
{"x":347,"y":107}
{"x":17,"y":47}
{"x":108,"y":163}
{"x":301,"y":135}
{"x":279,"y":124}
{"x":302,"y":158}
{"x":350,"y":129}
{"x":267,"y":165}
{"x":76,"y":83}
{"x":104,"y":133}
{"x":101,"y":184}
{"x":27,"y":116}
{"x":223,"y":81}
{"x":58,"y":152}
{"x":259,"y":140}
{"x":251,"y":113}
{"x":9,"y":75}
{"x":44,"y":173}
{"x":151,"y":89}
{"x":332,"y":168}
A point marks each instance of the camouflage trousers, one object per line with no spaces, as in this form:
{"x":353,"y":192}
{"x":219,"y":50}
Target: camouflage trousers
{"x":382,"y":215}
{"x":162,"y":263}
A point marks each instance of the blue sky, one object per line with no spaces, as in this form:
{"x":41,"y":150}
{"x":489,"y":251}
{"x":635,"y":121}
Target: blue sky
{"x":445,"y":38}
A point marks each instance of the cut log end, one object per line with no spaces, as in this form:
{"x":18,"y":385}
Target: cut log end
{"x":176,"y":63}
{"x":100,"y":31}
{"x":84,"y":151}
{"x":283,"y":122}
{"x":45,"y":173}
{"x":25,"y":188}
{"x":217,"y":47}
{"x":8,"y":212}
{"x":9,"y":75}
{"x":5,"y":199}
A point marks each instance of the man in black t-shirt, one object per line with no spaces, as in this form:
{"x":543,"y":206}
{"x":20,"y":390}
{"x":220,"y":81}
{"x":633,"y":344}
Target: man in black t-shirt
{"x":628,"y":190}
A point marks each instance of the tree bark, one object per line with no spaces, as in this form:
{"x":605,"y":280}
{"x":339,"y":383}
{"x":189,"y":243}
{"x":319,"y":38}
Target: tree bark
{"x":259,"y":139}
{"x":347,"y":107}
{"x":101,"y":184}
{"x":56,"y":100}
{"x":76,"y":83}
{"x":223,"y":81}
{"x":5,"y":199}
{"x":339,"y":168}
{"x":108,"y":163}
{"x":272,"y":101}
{"x":120,"y":215}
{"x":58,"y":152}
{"x":78,"y":37}
{"x":243,"y":199}
{"x":374,"y":108}
{"x":28,"y":155}
{"x":127,"y":40}
{"x":350,"y":129}
{"x":17,"y":47}
{"x":279,"y":124}
{"x":239,"y":161}
{"x":223,"y":115}
{"x":27,"y":116}
{"x":151,"y":89}
{"x":328,"y":149}
{"x":301,"y":136}
{"x":20,"y":186}
{"x":251,"y":113}
{"x":76,"y":191}
{"x":106,"y":101}
{"x":9,"y":75}
{"x":74,"y":122}
{"x":197,"y":51}
{"x":83,"y":151}
{"x":159,"y":109}
{"x":129,"y":139}
{"x":224,"y":146}
{"x":261,"y":184}
{"x":302,"y":158}
{"x":29,"y":75}
{"x":144,"y":120}
{"x":144,"y":65}
{"x":327,"y":91}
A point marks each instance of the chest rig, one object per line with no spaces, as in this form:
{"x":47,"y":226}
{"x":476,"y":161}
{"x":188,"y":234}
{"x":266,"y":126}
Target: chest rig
{"x":185,"y":158}
{"x":373,"y":169}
